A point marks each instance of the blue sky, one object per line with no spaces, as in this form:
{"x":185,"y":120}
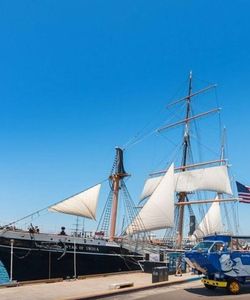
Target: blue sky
{"x":78,"y":78}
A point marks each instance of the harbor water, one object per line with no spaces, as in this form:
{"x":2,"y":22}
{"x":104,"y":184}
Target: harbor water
{"x":3,"y":274}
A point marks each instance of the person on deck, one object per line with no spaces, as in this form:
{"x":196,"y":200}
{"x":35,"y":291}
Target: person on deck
{"x":62,"y":231}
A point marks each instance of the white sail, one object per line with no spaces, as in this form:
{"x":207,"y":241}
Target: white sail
{"x":214,"y":179}
{"x":158,"y":212}
{"x":83,"y":204}
{"x":149,"y":186}
{"x":211,"y":223}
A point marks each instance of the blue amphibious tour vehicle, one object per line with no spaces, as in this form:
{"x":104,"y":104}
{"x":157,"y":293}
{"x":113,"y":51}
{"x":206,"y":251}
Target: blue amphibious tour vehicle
{"x":224,"y":260}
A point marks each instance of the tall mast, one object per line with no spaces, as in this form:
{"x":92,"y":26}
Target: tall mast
{"x":186,"y":145}
{"x":182,"y":196}
{"x":118,"y":174}
{"x":223,"y":141}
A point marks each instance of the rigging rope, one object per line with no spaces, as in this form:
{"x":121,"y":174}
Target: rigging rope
{"x":46,"y":208}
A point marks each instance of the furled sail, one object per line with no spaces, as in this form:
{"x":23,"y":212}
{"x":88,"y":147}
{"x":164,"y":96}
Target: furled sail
{"x":211,"y":223}
{"x":83,"y":204}
{"x":158,"y":212}
{"x":214,"y":179}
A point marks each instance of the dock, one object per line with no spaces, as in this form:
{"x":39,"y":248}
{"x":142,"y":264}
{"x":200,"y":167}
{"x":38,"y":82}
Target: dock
{"x":89,"y":287}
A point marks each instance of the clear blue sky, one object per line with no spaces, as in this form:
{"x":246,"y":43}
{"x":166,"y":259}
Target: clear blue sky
{"x":78,"y":78}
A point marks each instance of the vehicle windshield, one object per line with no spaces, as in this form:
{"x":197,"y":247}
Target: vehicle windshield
{"x":203,"y":246}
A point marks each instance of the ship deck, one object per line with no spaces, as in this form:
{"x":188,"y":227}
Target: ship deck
{"x":94,"y":287}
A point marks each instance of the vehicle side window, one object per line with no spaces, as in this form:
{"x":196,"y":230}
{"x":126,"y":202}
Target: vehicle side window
{"x":217,"y":247}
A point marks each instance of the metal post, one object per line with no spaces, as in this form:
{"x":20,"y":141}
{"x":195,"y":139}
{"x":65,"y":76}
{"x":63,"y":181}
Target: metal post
{"x":74,"y":257}
{"x":49,"y":264}
{"x":11,"y":259}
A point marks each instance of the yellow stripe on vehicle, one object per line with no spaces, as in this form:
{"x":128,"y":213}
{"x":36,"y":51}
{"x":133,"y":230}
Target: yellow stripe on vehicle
{"x":214,"y":282}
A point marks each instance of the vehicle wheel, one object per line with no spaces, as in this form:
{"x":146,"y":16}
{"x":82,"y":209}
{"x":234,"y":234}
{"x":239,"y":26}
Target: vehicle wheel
{"x":233,"y":287}
{"x":209,"y":287}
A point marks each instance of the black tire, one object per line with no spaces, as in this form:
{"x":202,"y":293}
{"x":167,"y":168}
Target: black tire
{"x":234,"y":287}
{"x":209,"y":287}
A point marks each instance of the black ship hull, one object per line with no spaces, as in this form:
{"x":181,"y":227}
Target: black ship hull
{"x":34,"y":260}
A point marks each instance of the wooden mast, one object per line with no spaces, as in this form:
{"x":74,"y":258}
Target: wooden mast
{"x":116,"y":177}
{"x":186,"y":144}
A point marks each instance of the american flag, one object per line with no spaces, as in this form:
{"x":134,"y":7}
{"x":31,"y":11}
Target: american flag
{"x":243,"y":192}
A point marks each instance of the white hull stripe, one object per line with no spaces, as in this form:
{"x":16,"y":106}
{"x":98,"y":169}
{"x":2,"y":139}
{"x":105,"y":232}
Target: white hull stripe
{"x":61,"y":251}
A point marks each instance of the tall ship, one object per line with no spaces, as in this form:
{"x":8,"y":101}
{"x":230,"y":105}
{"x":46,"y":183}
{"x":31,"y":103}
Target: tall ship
{"x":193,"y":195}
{"x":32,"y":255}
{"x":186,"y":200}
